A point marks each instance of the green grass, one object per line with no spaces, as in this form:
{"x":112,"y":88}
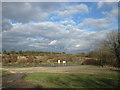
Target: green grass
{"x":3,"y":73}
{"x":38,"y":66}
{"x":15,"y":67}
{"x":55,"y":80}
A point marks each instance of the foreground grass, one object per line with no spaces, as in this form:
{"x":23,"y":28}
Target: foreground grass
{"x":3,"y":73}
{"x":55,"y":80}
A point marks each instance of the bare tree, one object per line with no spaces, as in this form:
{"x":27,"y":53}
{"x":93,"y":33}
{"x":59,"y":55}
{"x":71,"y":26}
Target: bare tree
{"x":112,"y":44}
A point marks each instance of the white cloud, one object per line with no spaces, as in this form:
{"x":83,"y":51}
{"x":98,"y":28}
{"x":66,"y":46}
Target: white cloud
{"x":53,"y":42}
{"x":69,"y":21}
{"x":95,"y":24}
{"x":77,"y":45}
{"x":100,"y":4}
{"x":73,"y":9}
{"x":112,"y":14}
{"x":44,"y":35}
{"x":22,"y":12}
{"x":111,"y":18}
{"x":107,"y":4}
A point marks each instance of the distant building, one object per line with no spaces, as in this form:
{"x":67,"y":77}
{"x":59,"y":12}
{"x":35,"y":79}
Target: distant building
{"x":58,"y":61}
{"x":64,"y":62}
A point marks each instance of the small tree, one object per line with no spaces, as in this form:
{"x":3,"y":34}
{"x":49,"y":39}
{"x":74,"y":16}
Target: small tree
{"x":4,"y":52}
{"x":20,"y":52}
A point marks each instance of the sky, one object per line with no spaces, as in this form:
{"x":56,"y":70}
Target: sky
{"x":69,"y":27}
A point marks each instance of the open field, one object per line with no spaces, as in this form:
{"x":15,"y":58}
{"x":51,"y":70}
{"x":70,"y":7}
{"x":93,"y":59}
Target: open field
{"x":55,"y":80}
{"x":85,"y":76}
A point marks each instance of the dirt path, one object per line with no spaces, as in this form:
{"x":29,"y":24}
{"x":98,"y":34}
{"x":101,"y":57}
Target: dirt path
{"x":67,"y":69}
{"x":15,"y":81}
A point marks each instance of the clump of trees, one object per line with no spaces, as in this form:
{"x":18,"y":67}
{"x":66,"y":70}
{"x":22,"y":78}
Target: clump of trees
{"x":108,"y":51}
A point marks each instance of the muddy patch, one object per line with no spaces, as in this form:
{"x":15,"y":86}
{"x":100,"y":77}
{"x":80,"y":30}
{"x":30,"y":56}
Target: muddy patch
{"x":15,"y":81}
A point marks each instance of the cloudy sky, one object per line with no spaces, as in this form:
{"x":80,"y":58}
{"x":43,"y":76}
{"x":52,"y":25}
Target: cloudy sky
{"x":57,"y":26}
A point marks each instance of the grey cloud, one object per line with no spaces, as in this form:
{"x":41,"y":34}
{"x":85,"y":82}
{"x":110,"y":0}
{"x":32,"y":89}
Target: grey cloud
{"x":23,"y":37}
{"x":33,"y":33}
{"x":73,"y":9}
{"x":6,"y":25}
{"x":0,"y":16}
{"x":26,"y":12}
{"x":22,"y":12}
{"x":96,"y":24}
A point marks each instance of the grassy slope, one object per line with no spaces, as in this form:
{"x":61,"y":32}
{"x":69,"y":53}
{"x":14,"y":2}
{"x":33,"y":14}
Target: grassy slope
{"x":55,"y":80}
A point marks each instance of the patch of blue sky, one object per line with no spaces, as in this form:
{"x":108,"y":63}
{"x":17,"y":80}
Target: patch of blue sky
{"x":94,"y":11}
{"x":13,"y":22}
{"x":73,"y":3}
{"x":35,"y":38}
{"x":114,"y":26}
{"x":78,"y":18}
{"x":89,"y":28}
{"x":39,"y":37}
{"x":53,"y":18}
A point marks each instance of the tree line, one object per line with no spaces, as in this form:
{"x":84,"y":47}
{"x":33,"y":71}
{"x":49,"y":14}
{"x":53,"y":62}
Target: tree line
{"x":28,"y":52}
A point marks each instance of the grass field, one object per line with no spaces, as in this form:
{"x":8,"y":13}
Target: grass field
{"x":55,"y":80}
{"x":3,"y":73}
